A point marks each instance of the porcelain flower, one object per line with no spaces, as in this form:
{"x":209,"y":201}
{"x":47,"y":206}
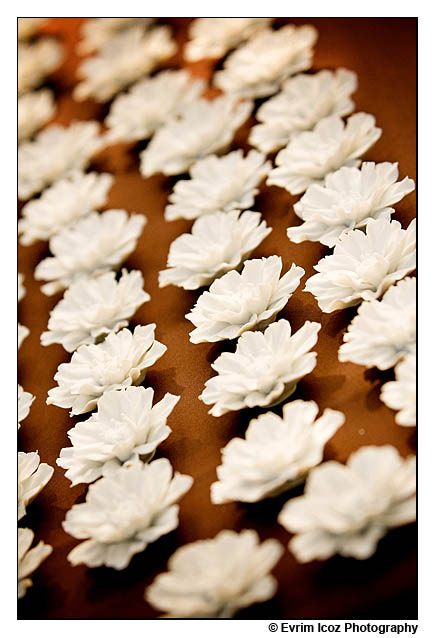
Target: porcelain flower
{"x":217,"y":243}
{"x":264,"y":370}
{"x":348,"y":199}
{"x":311,"y":155}
{"x":303,"y":101}
{"x":124,"y":512}
{"x":258,"y":68}
{"x":29,"y":559}
{"x":125,"y":58}
{"x":63,"y":203}
{"x":149,"y":104}
{"x":401,"y":394}
{"x":383,"y":332}
{"x":36,"y":61}
{"x":218,"y":184}
{"x":93,"y":307}
{"x":21,"y":289}
{"x":33,"y":476}
{"x":55,"y":152}
{"x":276,"y":453}
{"x":34,"y":110}
{"x":23,"y":332}
{"x":25,"y":400}
{"x":96,"y":32}
{"x":364,"y":265}
{"x":213,"y":37}
{"x":215,"y":578}
{"x":92,"y":245}
{"x":202,"y":128}
{"x":346,"y":509}
{"x":119,"y":361}
{"x":29,"y":26}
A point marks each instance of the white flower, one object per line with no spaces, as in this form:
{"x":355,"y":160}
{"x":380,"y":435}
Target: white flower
{"x":29,"y":559}
{"x":258,"y":68}
{"x":213,"y":37}
{"x":149,"y":104}
{"x":237,"y":302}
{"x":348,"y":199}
{"x":124,"y":58}
{"x":29,"y":26}
{"x":96,"y":32}
{"x":64,"y":202}
{"x":401,"y":393}
{"x":124,"y":512}
{"x":275,"y":454}
{"x":119,"y":361}
{"x":92,"y":245}
{"x":34,"y":110}
{"x":363,"y":266}
{"x":32,"y":477}
{"x":55,"y":151}
{"x":202,"y":128}
{"x":303,"y":101}
{"x":217,"y":243}
{"x":346,"y":509}
{"x":383,"y":332}
{"x":218,"y":184}
{"x":21,"y":287}
{"x":25,"y":400}
{"x":311,"y":155}
{"x":264,"y":370}
{"x":93,"y":307}
{"x":36,"y":60}
{"x":214,"y":578}
{"x":23,"y":332}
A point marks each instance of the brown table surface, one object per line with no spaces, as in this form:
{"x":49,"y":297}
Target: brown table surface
{"x":382,"y":51}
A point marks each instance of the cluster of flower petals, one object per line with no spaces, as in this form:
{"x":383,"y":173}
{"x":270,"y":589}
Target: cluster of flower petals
{"x":23,"y":332}
{"x":96,"y":32}
{"x":29,"y":559}
{"x":25,"y":400}
{"x":35,"y":109}
{"x":33,"y":476}
{"x":36,"y":60}
{"x":400,"y":394}
{"x":27,"y":27}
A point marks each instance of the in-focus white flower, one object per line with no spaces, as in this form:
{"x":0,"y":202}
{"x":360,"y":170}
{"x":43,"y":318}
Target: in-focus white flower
{"x":25,"y":400}
{"x":32,"y":477}
{"x":303,"y":101}
{"x":364,"y":265}
{"x":29,"y":26}
{"x":96,"y":32}
{"x":276,"y":453}
{"x":36,"y":60}
{"x":311,"y":155}
{"x":23,"y":332}
{"x":214,"y":578}
{"x":348,"y":198}
{"x":149,"y":104}
{"x":218,"y":184}
{"x":213,"y":37}
{"x":93,"y":307}
{"x":203,"y":127}
{"x":29,"y":559}
{"x":346,"y":509}
{"x":401,"y":394}
{"x":237,"y":302}
{"x":125,"y":425}
{"x":217,"y":243}
{"x":64,"y":202}
{"x":34,"y":110}
{"x":92,"y":245}
{"x":55,"y":152}
{"x":21,"y":289}
{"x":124,"y":58}
{"x":258,"y":67}
{"x":124,"y":512}
{"x":264,"y":370}
{"x":119,"y":361}
{"x":383,"y":332}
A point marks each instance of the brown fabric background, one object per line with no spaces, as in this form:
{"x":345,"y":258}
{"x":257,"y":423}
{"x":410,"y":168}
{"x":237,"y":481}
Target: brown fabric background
{"x":383,"y":54}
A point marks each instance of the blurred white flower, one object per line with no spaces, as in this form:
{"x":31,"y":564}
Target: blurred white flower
{"x":276,"y":454}
{"x":56,"y":151}
{"x":264,"y":370}
{"x":311,"y":155}
{"x":25,"y":400}
{"x":119,"y":361}
{"x":29,"y":26}
{"x":364,"y":265}
{"x":124,"y":512}
{"x":202,"y":127}
{"x":29,"y":559}
{"x":346,"y":509}
{"x":36,"y":60}
{"x":218,"y":184}
{"x":303,"y":101}
{"x":21,"y":289}
{"x":401,"y":394}
{"x":96,"y":32}
{"x":217,"y":243}
{"x":88,"y":247}
{"x":68,"y":199}
{"x":237,"y":302}
{"x":34,"y":110}
{"x":32,"y":477}
{"x":383,"y":332}
{"x":23,"y":332}
{"x":215,"y":578}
